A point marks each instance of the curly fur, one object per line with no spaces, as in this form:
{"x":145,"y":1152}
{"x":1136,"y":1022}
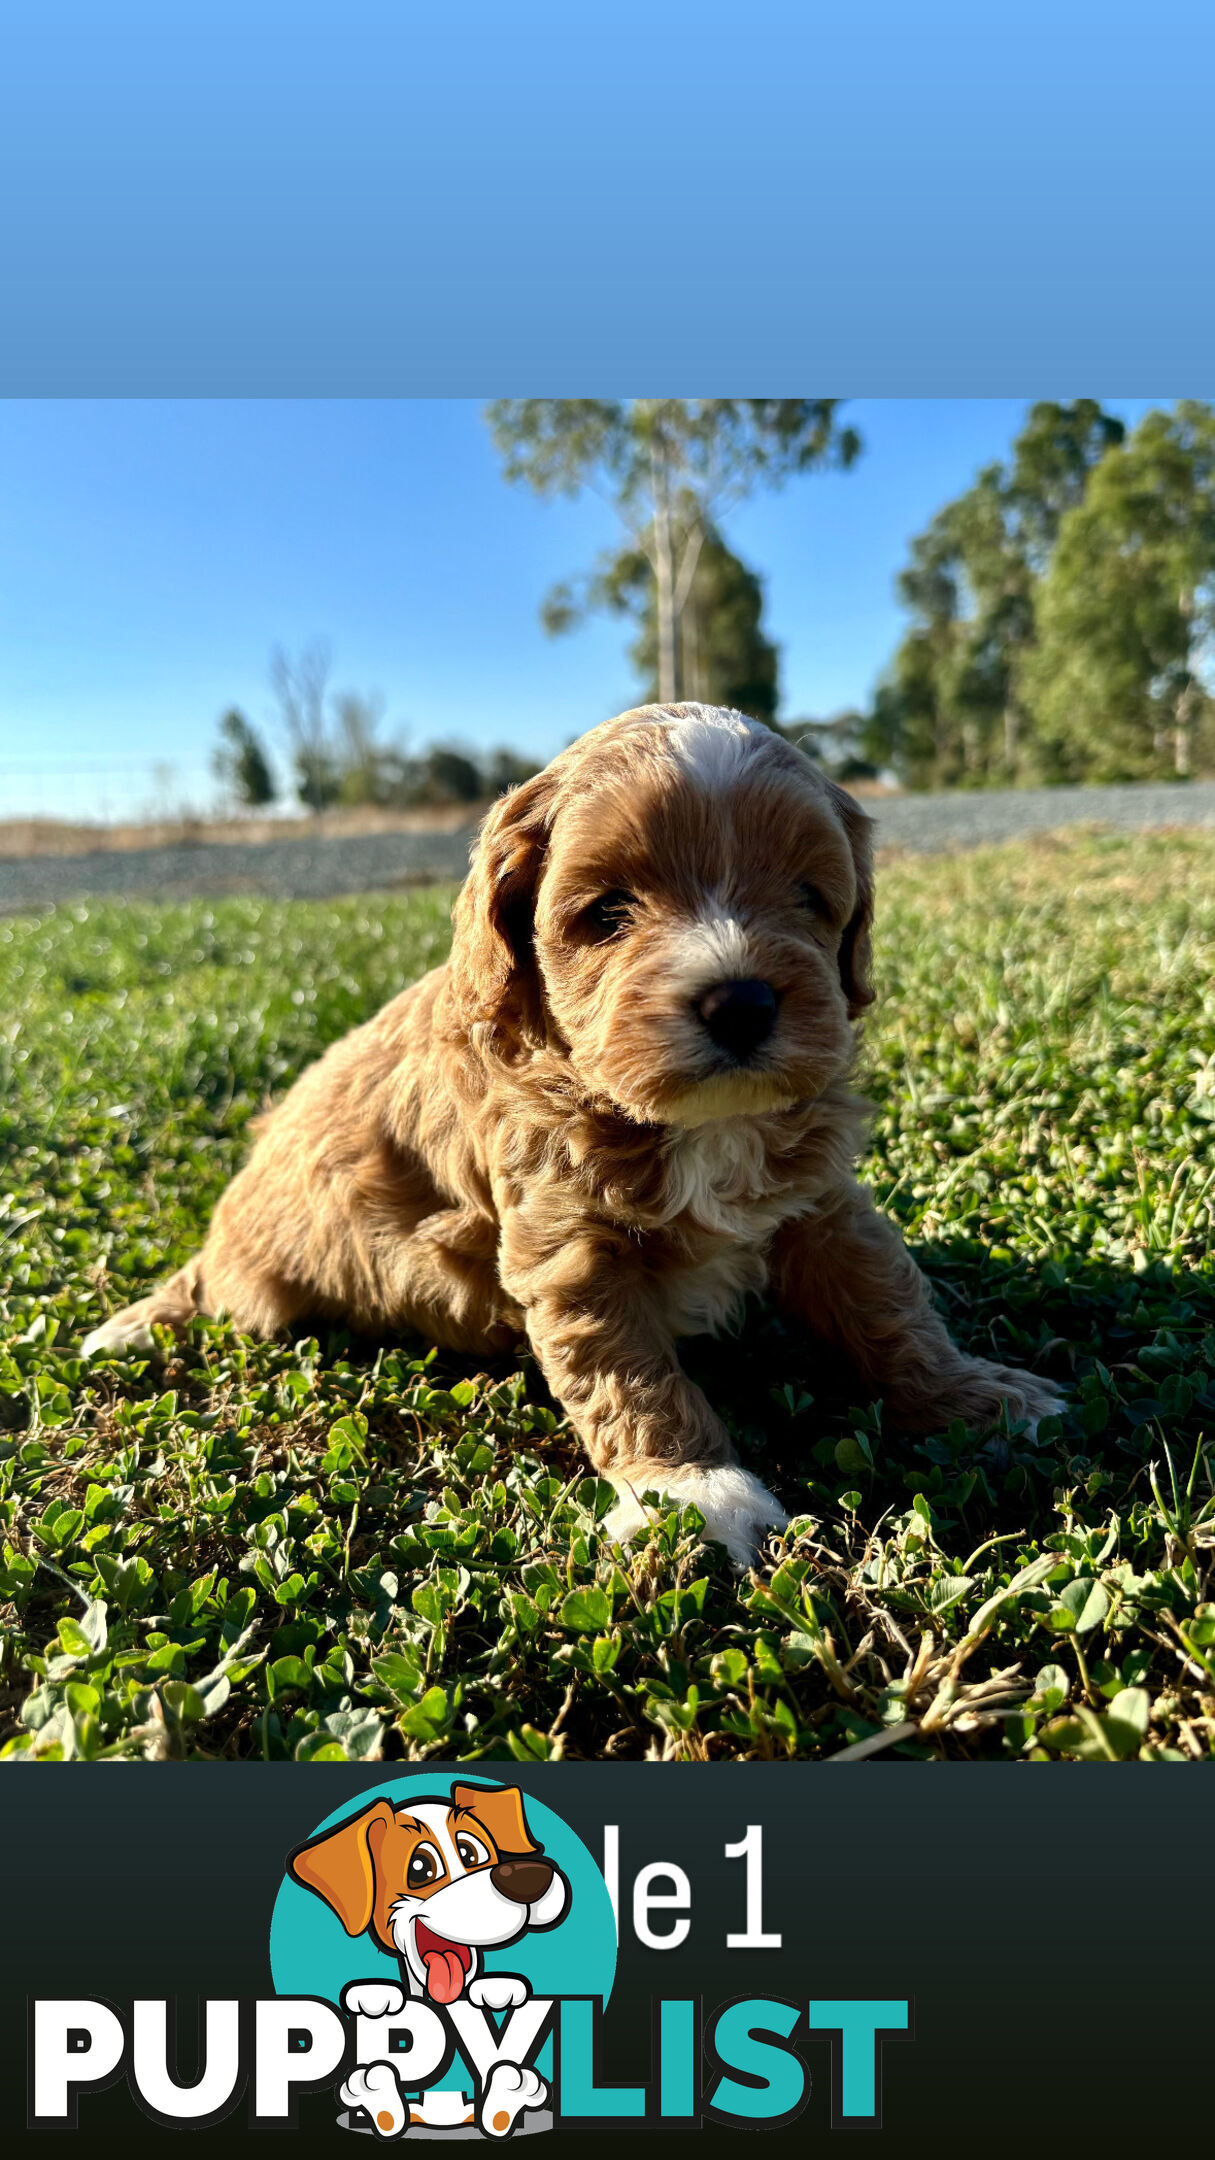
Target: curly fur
{"x":541,"y":1139}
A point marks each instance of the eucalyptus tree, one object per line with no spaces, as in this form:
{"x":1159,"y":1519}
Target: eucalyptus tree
{"x":671,"y":469}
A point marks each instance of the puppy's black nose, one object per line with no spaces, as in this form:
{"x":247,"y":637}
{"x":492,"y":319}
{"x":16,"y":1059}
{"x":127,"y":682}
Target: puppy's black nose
{"x":739,"y":1015}
{"x":524,"y":1881}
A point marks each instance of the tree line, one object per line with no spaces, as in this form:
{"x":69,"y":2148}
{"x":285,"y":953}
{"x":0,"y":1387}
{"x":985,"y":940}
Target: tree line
{"x":337,"y":757}
{"x":1062,"y":608}
{"x":1063,"y":611}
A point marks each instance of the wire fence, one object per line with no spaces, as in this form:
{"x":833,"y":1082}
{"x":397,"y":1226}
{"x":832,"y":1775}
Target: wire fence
{"x":106,"y":791}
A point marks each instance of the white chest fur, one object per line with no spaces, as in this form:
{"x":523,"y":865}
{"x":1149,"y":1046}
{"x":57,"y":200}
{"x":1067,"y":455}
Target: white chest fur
{"x":718,"y":1174}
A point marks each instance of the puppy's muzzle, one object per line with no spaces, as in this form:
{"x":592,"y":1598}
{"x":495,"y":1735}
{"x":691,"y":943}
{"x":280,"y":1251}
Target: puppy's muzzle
{"x":523,"y":1881}
{"x":738,"y":1016}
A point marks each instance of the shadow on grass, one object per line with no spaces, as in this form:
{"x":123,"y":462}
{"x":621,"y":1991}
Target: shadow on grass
{"x":1134,"y":1351}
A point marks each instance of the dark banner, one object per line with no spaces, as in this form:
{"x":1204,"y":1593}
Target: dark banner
{"x":598,"y":1952}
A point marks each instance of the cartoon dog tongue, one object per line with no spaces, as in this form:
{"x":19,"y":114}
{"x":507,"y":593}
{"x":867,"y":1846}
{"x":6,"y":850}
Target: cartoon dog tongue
{"x":444,"y":1975}
{"x":446,"y":1964}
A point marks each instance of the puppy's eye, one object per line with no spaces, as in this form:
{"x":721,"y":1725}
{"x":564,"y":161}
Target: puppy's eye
{"x":811,"y":901}
{"x":472,"y":1852}
{"x":608,"y":915}
{"x":424,"y":1867}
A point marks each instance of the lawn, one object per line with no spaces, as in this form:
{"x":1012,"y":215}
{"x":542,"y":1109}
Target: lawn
{"x":328,"y":1549}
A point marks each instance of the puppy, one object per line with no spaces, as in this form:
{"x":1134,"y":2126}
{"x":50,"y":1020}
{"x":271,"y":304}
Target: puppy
{"x":620,"y":1108}
{"x":436,"y":1884}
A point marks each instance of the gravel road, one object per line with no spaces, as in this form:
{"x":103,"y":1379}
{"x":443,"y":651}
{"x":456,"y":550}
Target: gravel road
{"x":927,"y":823}
{"x":366,"y":862}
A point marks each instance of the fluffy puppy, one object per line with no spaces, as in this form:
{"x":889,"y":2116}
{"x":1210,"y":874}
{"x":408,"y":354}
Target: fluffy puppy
{"x":621,"y":1107}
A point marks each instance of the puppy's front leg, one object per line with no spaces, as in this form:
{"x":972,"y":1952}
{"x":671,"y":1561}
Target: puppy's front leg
{"x":851,"y":1278}
{"x":593,"y":1321}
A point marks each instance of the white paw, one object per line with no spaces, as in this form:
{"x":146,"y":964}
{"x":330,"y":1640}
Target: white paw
{"x":373,"y":1998}
{"x":375,"y":2088}
{"x":117,"y":1334}
{"x":737,"y":1509}
{"x":498,"y":1991}
{"x":511,"y":2088}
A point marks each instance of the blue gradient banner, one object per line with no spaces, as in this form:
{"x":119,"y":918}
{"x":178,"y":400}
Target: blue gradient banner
{"x":384,"y":199}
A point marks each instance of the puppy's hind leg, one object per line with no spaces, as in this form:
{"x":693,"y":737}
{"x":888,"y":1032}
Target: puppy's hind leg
{"x":442,"y":1280}
{"x":172,"y":1304}
{"x":214,"y":1281}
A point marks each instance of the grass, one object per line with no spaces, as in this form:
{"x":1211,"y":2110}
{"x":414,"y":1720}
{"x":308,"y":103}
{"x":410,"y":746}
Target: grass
{"x":329,"y":1549}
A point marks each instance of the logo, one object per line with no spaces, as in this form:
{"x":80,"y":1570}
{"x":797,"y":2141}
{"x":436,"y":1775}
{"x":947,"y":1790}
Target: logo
{"x":422,"y":1909}
{"x":443,"y":1953}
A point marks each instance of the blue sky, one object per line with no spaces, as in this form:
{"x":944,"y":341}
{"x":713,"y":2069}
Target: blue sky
{"x":152,"y":553}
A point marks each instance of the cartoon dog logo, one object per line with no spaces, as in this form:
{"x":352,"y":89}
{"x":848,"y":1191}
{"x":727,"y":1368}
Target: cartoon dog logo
{"x":436,"y":1884}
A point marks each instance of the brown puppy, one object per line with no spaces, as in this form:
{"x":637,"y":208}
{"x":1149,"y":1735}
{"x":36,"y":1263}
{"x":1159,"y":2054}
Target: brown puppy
{"x":621,"y":1106}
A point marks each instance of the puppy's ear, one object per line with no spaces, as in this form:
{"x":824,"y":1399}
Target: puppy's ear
{"x":856,"y":945}
{"x":493,"y":971}
{"x":340,"y":1865}
{"x":501,"y":1813}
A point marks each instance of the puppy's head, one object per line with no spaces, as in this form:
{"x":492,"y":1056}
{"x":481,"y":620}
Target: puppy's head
{"x":681,"y":904}
{"x":437,"y":1882}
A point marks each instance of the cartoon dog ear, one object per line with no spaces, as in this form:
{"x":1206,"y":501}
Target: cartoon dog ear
{"x":493,"y":973}
{"x":856,"y":945}
{"x":340,"y":1865}
{"x":500,"y":1810}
